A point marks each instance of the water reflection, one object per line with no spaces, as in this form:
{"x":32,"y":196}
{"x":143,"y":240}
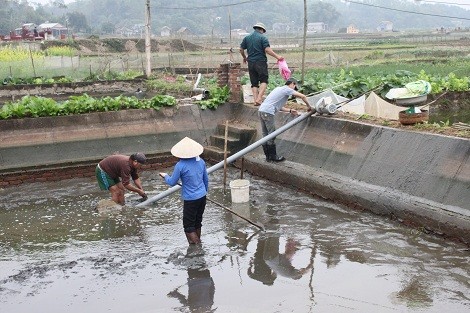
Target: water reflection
{"x":414,"y":294}
{"x":315,"y":256}
{"x":268,"y":262}
{"x":200,"y":285}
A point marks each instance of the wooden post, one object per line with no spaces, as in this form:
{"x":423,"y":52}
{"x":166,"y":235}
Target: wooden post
{"x":304,"y":41}
{"x":32,"y":61}
{"x":225,"y":154}
{"x":148,"y":44}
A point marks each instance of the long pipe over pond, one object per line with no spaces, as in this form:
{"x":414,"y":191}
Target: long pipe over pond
{"x":232,"y":158}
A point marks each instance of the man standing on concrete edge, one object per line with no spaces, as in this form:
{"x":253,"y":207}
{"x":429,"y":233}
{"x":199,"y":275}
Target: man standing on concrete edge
{"x":274,"y":102}
{"x":257,"y":45}
{"x":115,"y":172}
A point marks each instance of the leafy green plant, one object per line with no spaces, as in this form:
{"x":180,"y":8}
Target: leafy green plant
{"x":352,"y":84}
{"x":217,"y":96}
{"x":161,"y":101}
{"x":31,"y":106}
{"x":40,"y":106}
{"x":15,"y":110}
{"x":81,"y":104}
{"x":376,"y":54}
{"x":169,"y":84}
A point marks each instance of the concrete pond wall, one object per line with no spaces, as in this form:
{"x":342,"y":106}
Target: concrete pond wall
{"x":416,"y":178}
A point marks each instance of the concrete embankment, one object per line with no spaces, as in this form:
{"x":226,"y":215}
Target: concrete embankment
{"x":418,"y":178}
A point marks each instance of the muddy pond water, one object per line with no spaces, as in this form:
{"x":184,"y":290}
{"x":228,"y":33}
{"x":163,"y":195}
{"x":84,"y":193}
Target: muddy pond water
{"x":58,"y":255}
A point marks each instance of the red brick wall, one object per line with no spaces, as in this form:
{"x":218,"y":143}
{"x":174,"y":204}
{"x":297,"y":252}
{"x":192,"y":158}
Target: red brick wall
{"x":229,"y":75}
{"x":58,"y":172}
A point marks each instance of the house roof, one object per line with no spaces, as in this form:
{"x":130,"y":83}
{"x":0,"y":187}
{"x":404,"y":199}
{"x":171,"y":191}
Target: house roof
{"x":182,"y":30}
{"x":52,"y":25}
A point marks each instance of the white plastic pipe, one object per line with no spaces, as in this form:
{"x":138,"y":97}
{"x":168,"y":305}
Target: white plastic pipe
{"x":232,"y":158}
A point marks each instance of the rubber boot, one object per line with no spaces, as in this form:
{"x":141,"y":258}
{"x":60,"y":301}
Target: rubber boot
{"x":192,"y":238}
{"x":266,"y":151}
{"x":273,"y":157}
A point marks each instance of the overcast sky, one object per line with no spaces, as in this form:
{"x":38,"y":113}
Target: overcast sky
{"x":47,"y":1}
{"x":465,"y":3}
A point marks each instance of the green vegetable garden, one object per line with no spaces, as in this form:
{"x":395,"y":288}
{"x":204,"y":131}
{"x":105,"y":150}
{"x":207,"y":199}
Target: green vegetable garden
{"x":362,"y":67}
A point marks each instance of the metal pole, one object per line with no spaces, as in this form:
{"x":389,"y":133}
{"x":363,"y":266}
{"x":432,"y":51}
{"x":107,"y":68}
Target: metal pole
{"x":225,"y":154}
{"x":232,"y":158}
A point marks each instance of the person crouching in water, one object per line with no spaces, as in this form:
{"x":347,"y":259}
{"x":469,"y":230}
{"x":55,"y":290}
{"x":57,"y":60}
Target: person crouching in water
{"x":275,"y":102}
{"x":191,"y":169}
{"x":114,"y":173}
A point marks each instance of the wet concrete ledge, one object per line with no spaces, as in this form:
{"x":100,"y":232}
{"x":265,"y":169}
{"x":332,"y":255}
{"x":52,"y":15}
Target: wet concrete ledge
{"x":418,"y":178}
{"x":426,"y":215}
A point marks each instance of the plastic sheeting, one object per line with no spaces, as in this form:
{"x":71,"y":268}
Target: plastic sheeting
{"x":335,"y":99}
{"x":373,"y":105}
{"x":284,"y":69}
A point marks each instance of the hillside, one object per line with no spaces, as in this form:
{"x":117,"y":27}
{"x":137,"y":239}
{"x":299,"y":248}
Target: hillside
{"x":124,"y":45}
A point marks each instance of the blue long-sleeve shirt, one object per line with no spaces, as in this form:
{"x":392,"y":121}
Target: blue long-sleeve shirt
{"x":193,"y":175}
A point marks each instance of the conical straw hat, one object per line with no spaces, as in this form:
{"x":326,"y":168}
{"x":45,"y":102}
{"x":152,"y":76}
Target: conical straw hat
{"x":187,"y":148}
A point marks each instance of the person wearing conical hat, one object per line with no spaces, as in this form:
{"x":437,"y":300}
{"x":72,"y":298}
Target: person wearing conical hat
{"x":257,"y":46}
{"x":191,"y":170}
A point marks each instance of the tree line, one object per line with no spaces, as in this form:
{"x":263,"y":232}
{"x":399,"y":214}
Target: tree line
{"x":216,"y":17}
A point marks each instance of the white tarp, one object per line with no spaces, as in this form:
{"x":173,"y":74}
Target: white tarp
{"x":375,"y":106}
{"x":355,"y":106}
{"x":334,"y":98}
{"x":378,"y":107}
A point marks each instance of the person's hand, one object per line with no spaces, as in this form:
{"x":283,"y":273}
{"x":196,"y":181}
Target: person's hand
{"x":144,"y":197}
{"x":163,"y":175}
{"x":293,"y":112}
{"x":281,"y":58}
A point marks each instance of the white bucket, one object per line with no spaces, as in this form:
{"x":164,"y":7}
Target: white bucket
{"x":240,"y":190}
{"x":247,"y":94}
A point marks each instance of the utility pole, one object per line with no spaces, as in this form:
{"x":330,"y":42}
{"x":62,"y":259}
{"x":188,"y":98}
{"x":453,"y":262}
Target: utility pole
{"x":304,"y":42}
{"x":148,"y":44}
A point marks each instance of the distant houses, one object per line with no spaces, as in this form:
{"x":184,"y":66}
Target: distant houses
{"x":318,"y":27}
{"x":385,"y":26}
{"x":238,"y":33}
{"x":137,"y":30}
{"x":165,"y":31}
{"x":351,"y":29}
{"x":124,"y":32}
{"x":183,"y":32}
{"x":53,"y":30}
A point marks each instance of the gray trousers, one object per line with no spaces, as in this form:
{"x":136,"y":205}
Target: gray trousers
{"x":267,"y":125}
